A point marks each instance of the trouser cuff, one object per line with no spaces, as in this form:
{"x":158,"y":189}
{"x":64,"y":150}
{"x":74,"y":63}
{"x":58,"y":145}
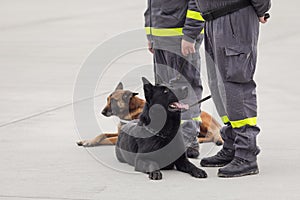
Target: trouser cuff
{"x":247,"y":155}
{"x":228,"y":137}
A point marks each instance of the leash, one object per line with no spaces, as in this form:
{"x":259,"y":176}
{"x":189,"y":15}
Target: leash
{"x":200,"y":101}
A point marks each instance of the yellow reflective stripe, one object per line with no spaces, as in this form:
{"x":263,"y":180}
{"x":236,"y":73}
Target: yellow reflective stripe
{"x":167,"y":32}
{"x":194,"y":15}
{"x":148,"y":30}
{"x":197,"y":119}
{"x":240,"y":123}
{"x":164,"y":32}
{"x":225,"y":119}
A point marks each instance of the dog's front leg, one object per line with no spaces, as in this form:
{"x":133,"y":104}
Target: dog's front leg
{"x":148,"y":166}
{"x":102,"y":139}
{"x":209,"y":136}
{"x":184,"y":165}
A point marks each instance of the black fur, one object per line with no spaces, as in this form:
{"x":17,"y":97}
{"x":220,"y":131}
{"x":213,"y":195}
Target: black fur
{"x":153,"y":143}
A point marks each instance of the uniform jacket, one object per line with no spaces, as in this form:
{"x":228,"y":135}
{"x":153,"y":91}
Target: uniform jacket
{"x":173,"y":18}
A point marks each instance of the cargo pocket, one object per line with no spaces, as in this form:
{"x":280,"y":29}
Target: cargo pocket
{"x":239,"y":64}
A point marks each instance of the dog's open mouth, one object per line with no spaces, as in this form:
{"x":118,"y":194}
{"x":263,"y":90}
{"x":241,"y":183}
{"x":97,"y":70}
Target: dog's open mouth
{"x":176,"y":106}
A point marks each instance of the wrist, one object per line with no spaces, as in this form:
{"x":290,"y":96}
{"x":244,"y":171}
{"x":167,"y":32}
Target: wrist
{"x":188,"y":39}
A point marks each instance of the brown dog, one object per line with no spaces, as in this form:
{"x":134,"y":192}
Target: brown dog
{"x":127,"y":106}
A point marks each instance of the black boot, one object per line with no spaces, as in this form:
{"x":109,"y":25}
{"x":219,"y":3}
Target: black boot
{"x":238,"y":167}
{"x":222,"y":158}
{"x":192,"y":152}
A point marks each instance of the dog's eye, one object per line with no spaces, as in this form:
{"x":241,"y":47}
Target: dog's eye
{"x":166,"y":91}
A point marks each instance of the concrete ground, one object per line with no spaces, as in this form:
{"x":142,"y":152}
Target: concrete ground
{"x":42,"y":47}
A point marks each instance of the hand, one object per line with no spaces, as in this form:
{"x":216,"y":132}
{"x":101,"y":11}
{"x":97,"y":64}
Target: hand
{"x":263,"y":20}
{"x":150,"y":47}
{"x":187,"y":48}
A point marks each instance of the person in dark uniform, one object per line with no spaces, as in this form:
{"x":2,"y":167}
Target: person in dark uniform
{"x":231,"y":35}
{"x":174,"y":36}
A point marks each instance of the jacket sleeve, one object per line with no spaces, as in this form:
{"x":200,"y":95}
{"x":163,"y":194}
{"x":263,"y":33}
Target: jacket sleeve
{"x":147,"y":20}
{"x":147,"y":17}
{"x":194,"y":23}
{"x":261,"y":6}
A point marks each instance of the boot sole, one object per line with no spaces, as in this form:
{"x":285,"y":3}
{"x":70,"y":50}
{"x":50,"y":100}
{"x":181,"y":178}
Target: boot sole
{"x":251,"y":172}
{"x":214,"y":165}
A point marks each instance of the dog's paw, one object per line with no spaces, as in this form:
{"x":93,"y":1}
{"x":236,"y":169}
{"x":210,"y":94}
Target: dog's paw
{"x":84,"y":143}
{"x":79,"y":143}
{"x":192,"y":153}
{"x":199,"y":173}
{"x":155,"y":175}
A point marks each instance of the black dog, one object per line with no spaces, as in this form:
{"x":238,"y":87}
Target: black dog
{"x":155,"y":141}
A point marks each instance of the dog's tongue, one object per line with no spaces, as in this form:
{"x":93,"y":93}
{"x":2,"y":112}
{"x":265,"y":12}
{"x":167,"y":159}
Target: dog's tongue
{"x":181,"y":106}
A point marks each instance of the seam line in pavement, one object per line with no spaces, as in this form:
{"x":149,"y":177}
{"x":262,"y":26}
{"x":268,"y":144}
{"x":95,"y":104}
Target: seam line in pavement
{"x":40,"y":197}
{"x":48,"y":111}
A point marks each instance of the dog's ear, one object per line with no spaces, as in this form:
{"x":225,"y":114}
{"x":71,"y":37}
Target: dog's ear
{"x":134,"y":94}
{"x":148,"y":89}
{"x":145,"y":81}
{"x":119,"y":86}
{"x":128,"y":95}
